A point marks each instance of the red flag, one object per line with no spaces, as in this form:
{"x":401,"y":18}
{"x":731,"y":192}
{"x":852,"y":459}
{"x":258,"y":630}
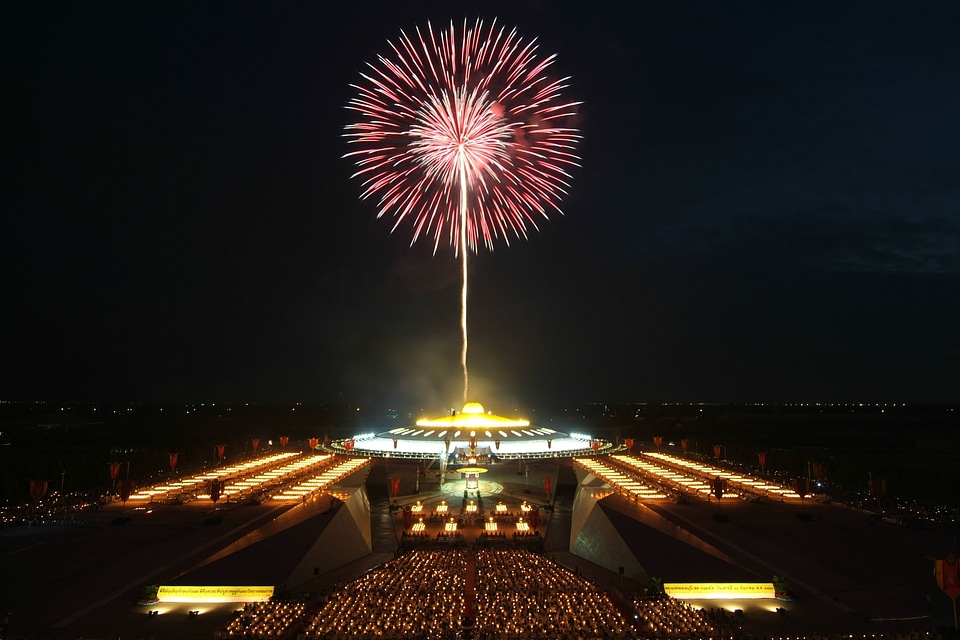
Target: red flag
{"x":716,"y":451}
{"x":719,"y":484}
{"x":395,"y":485}
{"x":684,"y":443}
{"x":595,"y":444}
{"x":125,"y":488}
{"x":313,"y":442}
{"x":326,"y":439}
{"x":629,"y":443}
{"x":762,"y":455}
{"x":817,"y":470}
{"x":347,"y":445}
{"x":284,"y":440}
{"x":948,"y":576}
{"x":114,"y":470}
{"x":534,"y":518}
{"x":173,"y":461}
{"x":658,"y":440}
{"x":547,"y":485}
{"x":38,"y":488}
{"x":407,"y":518}
{"x":220,"y":450}
{"x":256,"y":443}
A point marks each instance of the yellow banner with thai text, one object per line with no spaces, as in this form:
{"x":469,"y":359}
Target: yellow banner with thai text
{"x":192,"y":593}
{"x":718,"y":590}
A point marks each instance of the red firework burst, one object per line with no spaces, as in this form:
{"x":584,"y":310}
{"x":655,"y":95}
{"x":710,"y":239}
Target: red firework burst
{"x":463,"y":125}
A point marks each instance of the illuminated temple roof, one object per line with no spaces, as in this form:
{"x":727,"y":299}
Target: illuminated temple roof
{"x":503,"y":437}
{"x":472,"y":416}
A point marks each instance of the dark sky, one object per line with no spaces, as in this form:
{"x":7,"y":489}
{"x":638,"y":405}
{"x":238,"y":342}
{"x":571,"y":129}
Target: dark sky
{"x":768,"y":210}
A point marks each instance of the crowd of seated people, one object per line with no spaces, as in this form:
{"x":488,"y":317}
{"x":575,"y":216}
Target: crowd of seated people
{"x":493,"y":534}
{"x":275,"y":618}
{"x":416,"y":535}
{"x":456,"y":536}
{"x":419,"y":594}
{"x":669,"y":618}
{"x":520,"y":594}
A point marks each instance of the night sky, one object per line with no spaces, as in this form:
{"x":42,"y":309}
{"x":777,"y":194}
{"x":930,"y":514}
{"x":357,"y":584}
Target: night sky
{"x":768,"y":210}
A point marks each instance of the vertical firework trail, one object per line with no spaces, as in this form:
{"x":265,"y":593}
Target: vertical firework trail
{"x":464,"y":135}
{"x":463,"y":284}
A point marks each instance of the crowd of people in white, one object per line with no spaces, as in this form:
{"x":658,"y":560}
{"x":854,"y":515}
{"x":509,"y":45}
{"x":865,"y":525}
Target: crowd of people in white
{"x":669,"y":618}
{"x":418,"y":594}
{"x":518,"y":595}
{"x":521,"y":594}
{"x":270,"y":619}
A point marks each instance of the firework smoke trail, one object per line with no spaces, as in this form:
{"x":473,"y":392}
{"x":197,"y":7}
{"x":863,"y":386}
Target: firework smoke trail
{"x":463,"y":135}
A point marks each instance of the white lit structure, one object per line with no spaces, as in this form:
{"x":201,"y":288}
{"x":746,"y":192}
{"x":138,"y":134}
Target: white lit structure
{"x":472,"y":432}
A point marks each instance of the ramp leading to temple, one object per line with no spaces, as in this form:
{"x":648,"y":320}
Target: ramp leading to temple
{"x":628,"y":538}
{"x":557,"y":536}
{"x":312,"y":538}
{"x":593,"y":537}
{"x":345,"y":539}
{"x":382,"y":527}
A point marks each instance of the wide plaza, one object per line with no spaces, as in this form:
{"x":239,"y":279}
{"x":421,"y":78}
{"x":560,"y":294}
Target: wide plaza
{"x":849,"y":573}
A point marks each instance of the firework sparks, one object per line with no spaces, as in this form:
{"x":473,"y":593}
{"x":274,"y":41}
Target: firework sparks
{"x":479,"y":102}
{"x":465,"y":137}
